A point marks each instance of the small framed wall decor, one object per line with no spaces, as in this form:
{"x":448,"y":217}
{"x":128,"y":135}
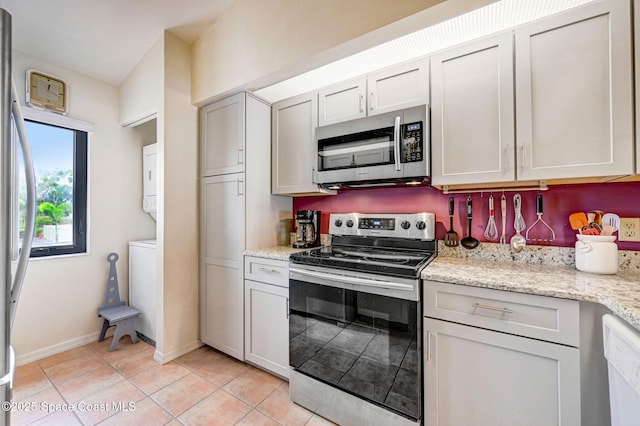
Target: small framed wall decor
{"x":47,"y":92}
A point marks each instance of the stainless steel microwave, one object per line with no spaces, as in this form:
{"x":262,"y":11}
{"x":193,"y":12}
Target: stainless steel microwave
{"x":385,"y":149}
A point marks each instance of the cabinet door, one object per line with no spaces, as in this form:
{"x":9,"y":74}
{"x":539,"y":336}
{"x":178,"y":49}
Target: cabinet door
{"x":222,"y":244}
{"x":150,"y":169}
{"x":222,"y":136}
{"x":293,"y":151}
{"x":400,"y":87}
{"x":343,"y":101}
{"x":480,"y":377}
{"x":267,"y":326}
{"x":473,"y":112}
{"x":636,"y":51}
{"x":574,"y":93}
{"x":142,"y":286}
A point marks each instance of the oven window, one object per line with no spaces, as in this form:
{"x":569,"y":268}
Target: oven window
{"x":365,"y":344}
{"x":363,"y":149}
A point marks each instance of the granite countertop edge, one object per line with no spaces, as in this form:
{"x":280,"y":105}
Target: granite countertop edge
{"x":274,"y":253}
{"x":619,"y":292}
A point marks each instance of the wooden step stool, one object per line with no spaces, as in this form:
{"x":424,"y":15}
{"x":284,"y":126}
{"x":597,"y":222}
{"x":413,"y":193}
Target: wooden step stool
{"x":114,"y":311}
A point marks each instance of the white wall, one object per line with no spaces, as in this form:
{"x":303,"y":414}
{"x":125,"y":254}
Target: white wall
{"x":58,"y":306}
{"x":161,"y":82}
{"x":255,"y":43}
{"x":178,"y":205}
{"x":253,"y":38}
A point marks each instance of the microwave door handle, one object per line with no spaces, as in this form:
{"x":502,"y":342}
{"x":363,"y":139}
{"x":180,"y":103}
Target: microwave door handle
{"x":396,"y":143}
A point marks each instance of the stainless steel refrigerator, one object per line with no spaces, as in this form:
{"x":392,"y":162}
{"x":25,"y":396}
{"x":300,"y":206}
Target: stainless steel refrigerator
{"x":10,"y":119}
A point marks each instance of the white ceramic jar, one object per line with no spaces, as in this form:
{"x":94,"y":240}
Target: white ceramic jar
{"x":597,"y":254}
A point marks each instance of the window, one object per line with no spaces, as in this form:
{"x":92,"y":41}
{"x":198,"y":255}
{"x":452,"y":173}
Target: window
{"x":60,"y":163}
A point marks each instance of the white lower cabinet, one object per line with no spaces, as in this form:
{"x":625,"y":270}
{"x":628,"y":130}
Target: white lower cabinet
{"x":267,"y":314}
{"x":222,"y":243}
{"x":478,"y":376}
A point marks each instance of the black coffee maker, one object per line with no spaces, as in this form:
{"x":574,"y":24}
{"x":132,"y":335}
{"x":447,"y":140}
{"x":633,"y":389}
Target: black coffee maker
{"x":307,"y":229}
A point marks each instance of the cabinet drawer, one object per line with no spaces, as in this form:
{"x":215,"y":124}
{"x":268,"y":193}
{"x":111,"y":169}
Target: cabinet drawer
{"x":540,"y":317}
{"x":269,"y":271}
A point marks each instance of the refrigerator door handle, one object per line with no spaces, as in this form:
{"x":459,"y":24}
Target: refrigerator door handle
{"x":30,"y":217}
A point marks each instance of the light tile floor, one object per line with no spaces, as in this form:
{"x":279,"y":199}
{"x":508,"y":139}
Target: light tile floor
{"x":90,"y":385}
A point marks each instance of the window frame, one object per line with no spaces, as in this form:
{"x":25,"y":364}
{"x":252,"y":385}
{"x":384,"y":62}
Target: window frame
{"x":81,"y":132}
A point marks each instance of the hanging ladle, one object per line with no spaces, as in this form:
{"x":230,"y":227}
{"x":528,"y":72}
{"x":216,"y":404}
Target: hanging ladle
{"x":469,"y":242}
{"x":518,"y":241}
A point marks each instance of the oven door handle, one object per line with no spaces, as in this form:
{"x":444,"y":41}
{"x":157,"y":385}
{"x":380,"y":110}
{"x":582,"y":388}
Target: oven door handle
{"x":353,"y":280}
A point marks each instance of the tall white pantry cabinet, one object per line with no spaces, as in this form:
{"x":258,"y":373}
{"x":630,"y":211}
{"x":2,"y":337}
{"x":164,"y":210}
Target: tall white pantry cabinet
{"x":237,"y":211}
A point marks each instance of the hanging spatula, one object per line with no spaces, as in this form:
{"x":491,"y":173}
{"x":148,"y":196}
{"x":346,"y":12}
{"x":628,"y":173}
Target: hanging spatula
{"x":451,"y":238}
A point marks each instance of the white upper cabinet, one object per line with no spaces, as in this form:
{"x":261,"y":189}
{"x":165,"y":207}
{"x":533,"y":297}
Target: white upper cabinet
{"x":472,"y":114}
{"x":293,"y":129}
{"x":574,"y":93}
{"x":343,"y":101}
{"x":399,"y":87}
{"x":390,"y":89}
{"x":636,"y":50}
{"x":223,"y":136}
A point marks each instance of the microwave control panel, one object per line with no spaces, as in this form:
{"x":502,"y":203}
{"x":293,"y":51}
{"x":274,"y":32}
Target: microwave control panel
{"x":412,"y":146}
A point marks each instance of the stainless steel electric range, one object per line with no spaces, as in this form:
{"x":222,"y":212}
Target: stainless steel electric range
{"x":355,"y":347}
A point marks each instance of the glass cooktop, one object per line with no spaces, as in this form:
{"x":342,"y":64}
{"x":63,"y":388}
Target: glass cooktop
{"x":396,"y":262}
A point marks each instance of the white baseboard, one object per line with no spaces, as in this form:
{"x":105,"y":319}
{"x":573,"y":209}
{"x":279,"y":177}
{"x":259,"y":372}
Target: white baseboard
{"x":163,"y":358}
{"x":57,"y":348}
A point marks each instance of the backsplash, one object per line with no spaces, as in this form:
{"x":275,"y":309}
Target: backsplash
{"x":628,"y":261}
{"x":560,"y":201}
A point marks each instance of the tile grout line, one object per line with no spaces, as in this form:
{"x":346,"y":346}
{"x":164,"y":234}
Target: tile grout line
{"x":199,"y":372}
{"x":59,"y":393}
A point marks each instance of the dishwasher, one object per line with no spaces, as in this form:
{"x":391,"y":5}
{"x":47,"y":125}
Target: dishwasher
{"x":622,"y":351}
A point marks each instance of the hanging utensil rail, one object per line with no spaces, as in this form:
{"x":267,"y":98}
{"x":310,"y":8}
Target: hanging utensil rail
{"x":542,"y":186}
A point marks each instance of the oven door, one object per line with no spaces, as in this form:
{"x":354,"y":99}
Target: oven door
{"x":359,"y":333}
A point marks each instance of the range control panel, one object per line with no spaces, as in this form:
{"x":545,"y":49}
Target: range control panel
{"x":419,"y":226}
{"x":377,"y":223}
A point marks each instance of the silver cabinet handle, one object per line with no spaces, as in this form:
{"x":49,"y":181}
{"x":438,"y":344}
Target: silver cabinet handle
{"x":396,"y":142}
{"x":361,"y":99}
{"x":269,"y":271}
{"x":428,"y":346}
{"x":371,"y":99}
{"x":287,"y":308}
{"x":240,"y":155}
{"x":240,"y":187}
{"x":492,"y":308}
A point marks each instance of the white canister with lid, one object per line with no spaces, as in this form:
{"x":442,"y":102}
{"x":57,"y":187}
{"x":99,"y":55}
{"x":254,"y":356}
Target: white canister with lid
{"x":597,"y":254}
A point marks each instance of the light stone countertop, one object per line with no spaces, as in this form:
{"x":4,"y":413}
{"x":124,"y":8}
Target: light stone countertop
{"x":545,"y":271}
{"x":274,"y":253}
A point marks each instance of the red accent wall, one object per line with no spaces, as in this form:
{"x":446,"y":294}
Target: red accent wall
{"x":560,"y":201}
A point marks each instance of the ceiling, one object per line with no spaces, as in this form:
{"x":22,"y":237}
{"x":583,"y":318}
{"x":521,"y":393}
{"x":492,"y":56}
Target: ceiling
{"x":478,"y":23}
{"x":104,"y":39}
